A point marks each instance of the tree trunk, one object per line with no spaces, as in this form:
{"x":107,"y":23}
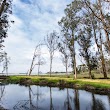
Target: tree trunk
{"x":77,"y":103}
{"x":66,"y":69}
{"x":75,"y":71}
{"x":38,"y":69}
{"x":31,"y":68}
{"x":50,"y":65}
{"x":90,"y":75}
{"x":99,"y":46}
{"x":103,"y":64}
{"x":104,"y":26}
{"x":2,"y":7}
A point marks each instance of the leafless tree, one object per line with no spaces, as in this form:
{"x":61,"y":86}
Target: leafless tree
{"x":51,"y":42}
{"x":5,"y":62}
{"x":41,"y":61}
{"x":33,"y":63}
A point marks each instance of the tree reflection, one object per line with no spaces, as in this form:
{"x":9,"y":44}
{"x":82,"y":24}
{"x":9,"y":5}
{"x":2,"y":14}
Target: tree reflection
{"x":97,"y":104}
{"x":51,"y":102}
{"x":67,"y":103}
{"x":29,"y":104}
{"x":2,"y":89}
{"x":76,"y":100}
{"x":2,"y":93}
{"x":109,"y":100}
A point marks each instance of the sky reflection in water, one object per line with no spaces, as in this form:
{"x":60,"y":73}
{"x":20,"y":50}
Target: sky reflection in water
{"x":15,"y":97}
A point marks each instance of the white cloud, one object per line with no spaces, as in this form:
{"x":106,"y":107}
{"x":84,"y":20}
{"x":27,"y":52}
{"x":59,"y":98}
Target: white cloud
{"x":32,"y":22}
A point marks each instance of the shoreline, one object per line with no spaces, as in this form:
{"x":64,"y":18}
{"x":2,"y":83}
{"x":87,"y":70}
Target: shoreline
{"x":91,"y":85}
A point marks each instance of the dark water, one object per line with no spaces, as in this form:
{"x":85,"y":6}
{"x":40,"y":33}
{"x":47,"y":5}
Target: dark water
{"x":15,"y":97}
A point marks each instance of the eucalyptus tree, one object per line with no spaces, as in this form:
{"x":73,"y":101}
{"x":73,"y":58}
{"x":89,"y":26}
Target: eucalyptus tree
{"x":68,"y":25}
{"x":85,"y":42}
{"x":65,"y":54}
{"x":51,"y":41}
{"x":95,"y":23}
{"x":100,"y":11}
{"x":5,"y":10}
{"x":98,"y":38}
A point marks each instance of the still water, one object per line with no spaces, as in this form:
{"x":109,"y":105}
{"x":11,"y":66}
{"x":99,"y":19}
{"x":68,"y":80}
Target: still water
{"x":15,"y":97}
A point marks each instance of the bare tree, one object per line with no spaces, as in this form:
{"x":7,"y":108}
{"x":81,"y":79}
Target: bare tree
{"x":33,"y":63}
{"x":41,"y":61}
{"x":51,"y":42}
{"x":5,"y":63}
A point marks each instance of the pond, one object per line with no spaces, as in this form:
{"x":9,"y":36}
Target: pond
{"x":16,"y":97}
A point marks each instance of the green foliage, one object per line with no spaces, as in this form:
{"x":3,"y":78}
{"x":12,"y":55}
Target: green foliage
{"x":5,"y":9}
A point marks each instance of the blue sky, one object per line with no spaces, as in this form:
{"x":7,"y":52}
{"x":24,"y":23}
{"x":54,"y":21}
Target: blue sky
{"x":33,"y":20}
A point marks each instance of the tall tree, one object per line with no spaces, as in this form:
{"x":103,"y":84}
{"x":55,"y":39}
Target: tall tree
{"x":98,"y":9}
{"x":99,"y":42}
{"x":85,"y":43}
{"x":69,"y":26}
{"x":5,"y":10}
{"x":98,"y":31}
{"x":51,"y":42}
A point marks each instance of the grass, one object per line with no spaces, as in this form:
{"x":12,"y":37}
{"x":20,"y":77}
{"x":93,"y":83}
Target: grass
{"x":83,"y":75}
{"x":96,"y":83}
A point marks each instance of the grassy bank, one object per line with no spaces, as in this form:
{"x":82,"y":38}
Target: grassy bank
{"x":97,"y":85}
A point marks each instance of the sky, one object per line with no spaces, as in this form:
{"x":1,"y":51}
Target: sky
{"x":33,"y":19}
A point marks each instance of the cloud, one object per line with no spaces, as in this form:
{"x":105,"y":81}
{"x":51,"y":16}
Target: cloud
{"x":33,"y":20}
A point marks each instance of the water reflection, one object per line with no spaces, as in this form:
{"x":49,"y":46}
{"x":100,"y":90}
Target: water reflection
{"x":29,"y":104}
{"x":97,"y":104}
{"x":15,"y":97}
{"x":2,"y":89}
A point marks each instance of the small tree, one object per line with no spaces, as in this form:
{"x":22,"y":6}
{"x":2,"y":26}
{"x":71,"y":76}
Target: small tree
{"x":33,"y":63}
{"x":40,"y":62}
{"x":5,"y":62}
{"x":63,"y":48}
{"x":51,"y":42}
